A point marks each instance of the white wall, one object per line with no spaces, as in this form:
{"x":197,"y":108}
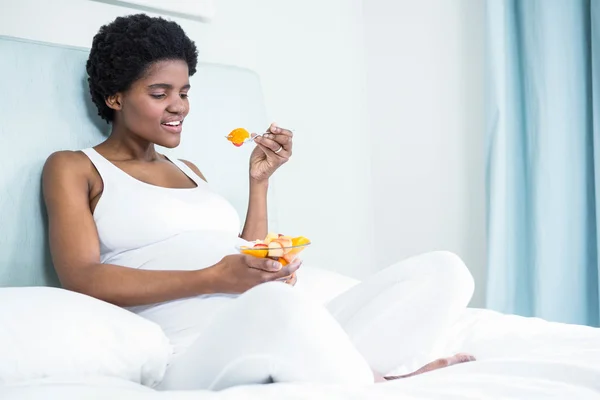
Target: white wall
{"x":310,"y":59}
{"x":426,"y":119}
{"x":412,"y":179}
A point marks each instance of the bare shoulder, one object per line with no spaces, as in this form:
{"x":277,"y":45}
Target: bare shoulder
{"x":65,"y":168}
{"x":66,"y":156}
{"x":194,"y":168}
{"x":65,"y":162}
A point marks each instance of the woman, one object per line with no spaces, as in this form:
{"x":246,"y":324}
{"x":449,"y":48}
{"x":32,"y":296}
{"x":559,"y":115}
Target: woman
{"x":134,"y":228}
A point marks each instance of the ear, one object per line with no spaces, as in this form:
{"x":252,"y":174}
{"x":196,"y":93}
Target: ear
{"x":115,"y":101}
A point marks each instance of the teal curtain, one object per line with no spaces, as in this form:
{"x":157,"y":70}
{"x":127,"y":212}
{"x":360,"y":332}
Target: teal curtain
{"x":543,"y":158}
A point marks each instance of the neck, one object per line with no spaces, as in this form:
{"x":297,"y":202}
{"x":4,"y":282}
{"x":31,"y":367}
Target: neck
{"x":126,"y":145}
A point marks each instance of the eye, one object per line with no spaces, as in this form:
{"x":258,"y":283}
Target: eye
{"x":184,"y":95}
{"x":158,"y":96}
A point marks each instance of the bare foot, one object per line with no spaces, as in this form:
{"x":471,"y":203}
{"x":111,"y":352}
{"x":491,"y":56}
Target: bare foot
{"x":437,"y":364}
{"x":378,"y":377}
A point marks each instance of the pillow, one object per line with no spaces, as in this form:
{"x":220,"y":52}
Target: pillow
{"x":50,"y":332}
{"x":321,"y":284}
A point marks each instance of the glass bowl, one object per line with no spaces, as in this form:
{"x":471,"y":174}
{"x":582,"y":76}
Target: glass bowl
{"x":276,"y":250}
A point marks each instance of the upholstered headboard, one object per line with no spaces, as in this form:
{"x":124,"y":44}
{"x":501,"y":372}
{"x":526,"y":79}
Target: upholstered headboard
{"x":45,"y":107}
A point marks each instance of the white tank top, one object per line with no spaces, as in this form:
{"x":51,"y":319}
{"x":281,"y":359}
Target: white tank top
{"x":134,"y":219}
{"x":151,"y":227}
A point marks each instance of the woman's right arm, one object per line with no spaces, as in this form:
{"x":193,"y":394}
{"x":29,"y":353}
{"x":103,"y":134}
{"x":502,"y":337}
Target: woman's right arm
{"x":75,"y":250}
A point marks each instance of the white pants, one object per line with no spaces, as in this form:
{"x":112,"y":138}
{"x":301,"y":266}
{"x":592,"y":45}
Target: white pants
{"x":275,"y":333}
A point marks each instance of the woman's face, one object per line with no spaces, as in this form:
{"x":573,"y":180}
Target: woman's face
{"x":154,"y":107}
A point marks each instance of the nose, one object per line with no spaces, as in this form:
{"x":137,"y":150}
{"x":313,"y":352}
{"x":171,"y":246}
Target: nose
{"x":178,"y":106}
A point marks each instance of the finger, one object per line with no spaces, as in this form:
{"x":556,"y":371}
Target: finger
{"x":265,"y":149}
{"x":296,"y":262}
{"x":268,"y":143}
{"x":285,"y":271}
{"x":292,"y":279}
{"x":269,"y":152}
{"x":264,"y":264}
{"x":279,"y":131}
{"x":281,"y":276}
{"x":284,"y":141}
{"x":294,"y":265}
{"x":285,"y":279}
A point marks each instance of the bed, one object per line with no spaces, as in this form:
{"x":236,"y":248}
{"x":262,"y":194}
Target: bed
{"x":517,"y":357}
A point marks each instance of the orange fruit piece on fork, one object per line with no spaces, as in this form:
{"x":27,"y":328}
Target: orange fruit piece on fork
{"x":238,"y":136}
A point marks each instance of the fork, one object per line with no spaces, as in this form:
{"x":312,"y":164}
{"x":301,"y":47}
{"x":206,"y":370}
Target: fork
{"x":251,"y":138}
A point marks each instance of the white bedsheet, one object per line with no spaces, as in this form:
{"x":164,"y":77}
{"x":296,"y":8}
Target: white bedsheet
{"x":517,"y":358}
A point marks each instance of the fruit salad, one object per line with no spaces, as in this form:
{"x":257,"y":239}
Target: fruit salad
{"x":238,"y":136}
{"x":277,"y":246}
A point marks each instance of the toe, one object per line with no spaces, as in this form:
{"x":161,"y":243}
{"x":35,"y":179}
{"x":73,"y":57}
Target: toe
{"x":462,"y":357}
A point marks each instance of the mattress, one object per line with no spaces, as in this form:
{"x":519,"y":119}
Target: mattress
{"x":525,"y":358}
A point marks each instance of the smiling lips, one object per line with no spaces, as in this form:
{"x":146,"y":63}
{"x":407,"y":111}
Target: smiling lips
{"x":173,"y":126}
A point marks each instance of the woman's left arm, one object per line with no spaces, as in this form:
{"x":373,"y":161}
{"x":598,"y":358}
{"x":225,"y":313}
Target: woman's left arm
{"x":256,"y":225}
{"x":273,"y":149}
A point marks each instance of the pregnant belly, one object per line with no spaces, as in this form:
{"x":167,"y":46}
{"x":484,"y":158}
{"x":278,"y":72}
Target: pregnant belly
{"x":182,"y":320}
{"x":186,"y":251}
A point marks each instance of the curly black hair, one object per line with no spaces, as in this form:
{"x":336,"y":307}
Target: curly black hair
{"x":124,"y":49}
